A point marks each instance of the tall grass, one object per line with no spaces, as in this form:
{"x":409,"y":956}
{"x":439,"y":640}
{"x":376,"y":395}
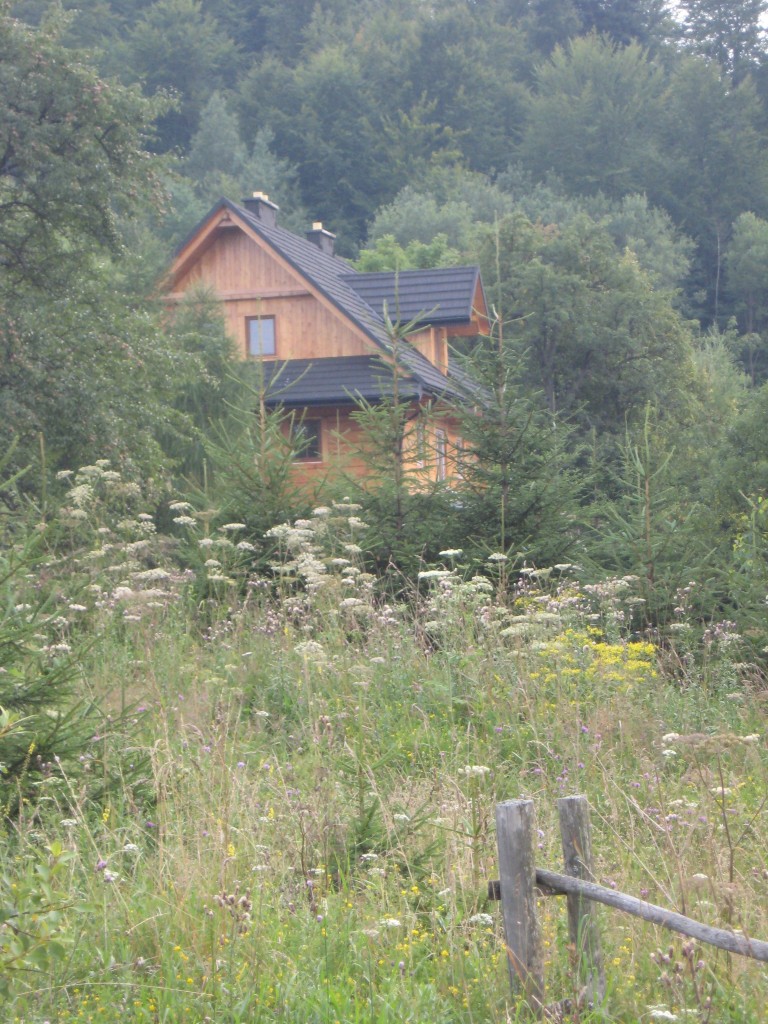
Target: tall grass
{"x":310,"y":833}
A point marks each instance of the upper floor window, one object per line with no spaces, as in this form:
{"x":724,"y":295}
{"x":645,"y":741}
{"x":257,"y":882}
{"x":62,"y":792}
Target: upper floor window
{"x":261,"y":335}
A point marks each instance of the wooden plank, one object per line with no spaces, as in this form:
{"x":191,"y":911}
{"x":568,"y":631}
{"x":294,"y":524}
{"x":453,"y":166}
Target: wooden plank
{"x":514,"y":837}
{"x":730,"y":941}
{"x":582,"y":924}
{"x":552,"y":883}
{"x":249,"y":295}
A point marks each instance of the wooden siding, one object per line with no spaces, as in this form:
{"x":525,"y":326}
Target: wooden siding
{"x":306,"y":326}
{"x":432,"y":342}
{"x":232,"y":262}
{"x":342,"y":440}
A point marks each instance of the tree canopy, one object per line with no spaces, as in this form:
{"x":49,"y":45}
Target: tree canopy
{"x":73,"y":155}
{"x":81,"y":364}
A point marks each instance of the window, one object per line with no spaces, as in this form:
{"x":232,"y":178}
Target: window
{"x":306,"y":437}
{"x":421,"y":444}
{"x":440,"y":449}
{"x":460,"y":457}
{"x":261,"y":335}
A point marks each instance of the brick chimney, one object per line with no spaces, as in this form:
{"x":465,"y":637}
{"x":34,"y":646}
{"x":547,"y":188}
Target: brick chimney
{"x":262,"y":209}
{"x":324,"y":240}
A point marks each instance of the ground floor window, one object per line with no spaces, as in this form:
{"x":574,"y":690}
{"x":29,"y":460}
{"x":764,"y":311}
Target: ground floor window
{"x":306,"y":436}
{"x":460,"y":457}
{"x":440,"y":451}
{"x":421,"y":443}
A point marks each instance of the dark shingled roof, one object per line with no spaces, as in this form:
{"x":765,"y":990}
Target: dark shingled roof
{"x":361,"y":297}
{"x":439,"y":296}
{"x":336,"y":381}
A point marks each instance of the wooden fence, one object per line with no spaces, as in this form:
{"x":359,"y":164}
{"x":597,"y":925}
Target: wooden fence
{"x":520,"y":882}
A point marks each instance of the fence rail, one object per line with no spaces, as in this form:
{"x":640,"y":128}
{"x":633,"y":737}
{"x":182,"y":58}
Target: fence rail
{"x":520,"y":881}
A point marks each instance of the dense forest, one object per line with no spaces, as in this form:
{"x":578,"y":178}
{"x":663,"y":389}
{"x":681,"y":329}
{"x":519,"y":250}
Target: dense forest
{"x":606,"y":163}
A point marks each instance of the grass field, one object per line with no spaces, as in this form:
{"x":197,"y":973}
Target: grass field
{"x":286,"y":813}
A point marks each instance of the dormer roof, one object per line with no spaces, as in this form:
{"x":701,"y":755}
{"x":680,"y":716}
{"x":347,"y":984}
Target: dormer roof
{"x":444,"y":295}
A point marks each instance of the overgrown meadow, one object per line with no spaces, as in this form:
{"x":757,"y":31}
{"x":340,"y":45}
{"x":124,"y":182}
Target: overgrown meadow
{"x":240,"y":789}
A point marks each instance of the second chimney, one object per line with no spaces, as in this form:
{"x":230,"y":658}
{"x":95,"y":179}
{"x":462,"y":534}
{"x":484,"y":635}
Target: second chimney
{"x":324,"y":240}
{"x":261,"y":208}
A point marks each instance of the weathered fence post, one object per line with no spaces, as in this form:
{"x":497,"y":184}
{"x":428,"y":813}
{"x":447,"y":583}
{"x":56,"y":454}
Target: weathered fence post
{"x":517,"y":874}
{"x":582,"y":923}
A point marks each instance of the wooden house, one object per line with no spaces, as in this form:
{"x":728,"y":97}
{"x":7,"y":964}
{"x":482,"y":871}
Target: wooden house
{"x":330,"y":338}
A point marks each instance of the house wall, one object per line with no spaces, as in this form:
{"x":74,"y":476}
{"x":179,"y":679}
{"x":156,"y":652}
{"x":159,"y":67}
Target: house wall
{"x":425,"y":460}
{"x":432,"y":342}
{"x":342,"y":439}
{"x":305,"y":326}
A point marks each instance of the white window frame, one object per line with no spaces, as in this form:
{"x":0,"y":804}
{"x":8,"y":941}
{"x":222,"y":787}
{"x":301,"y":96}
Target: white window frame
{"x":265,"y":331}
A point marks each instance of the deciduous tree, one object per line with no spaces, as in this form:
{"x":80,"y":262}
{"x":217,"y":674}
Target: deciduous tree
{"x":591,"y":116}
{"x":594,"y":334}
{"x":72,"y":155}
{"x":714,"y":165}
{"x":179,"y":49}
{"x":731,"y":32}
{"x":80,"y":361}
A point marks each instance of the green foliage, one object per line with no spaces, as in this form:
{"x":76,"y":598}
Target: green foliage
{"x":58,"y":115}
{"x":248,"y":473}
{"x":47,"y":725}
{"x":408,"y":528}
{"x":746,"y":266}
{"x":219,"y":163}
{"x":216,"y":148}
{"x":650,"y":235}
{"x":625,"y":21}
{"x":699,"y":154}
{"x":82,"y":362}
{"x":208,"y":383}
{"x":39,"y":720}
{"x":408,"y":509}
{"x":175,"y":48}
{"x":388,"y":254}
{"x":649,"y":530}
{"x":86,"y":369}
{"x":445,"y":102}
{"x":460,"y":67}
{"x":58,"y":744}
{"x":519,"y":490}
{"x":591,"y":331}
{"x":746,"y":261}
{"x":591,"y":118}
{"x":714,"y":166}
{"x":307,"y":728}
{"x":36,"y":935}
{"x":323,"y":98}
{"x":732,"y":34}
{"x":345,"y":752}
{"x":634,"y":224}
{"x":451,"y":202}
